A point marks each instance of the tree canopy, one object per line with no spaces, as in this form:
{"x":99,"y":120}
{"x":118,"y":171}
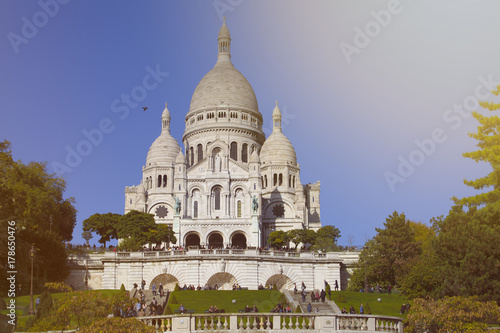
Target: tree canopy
{"x":33,"y":200}
{"x":488,"y":137}
{"x":104,"y":225}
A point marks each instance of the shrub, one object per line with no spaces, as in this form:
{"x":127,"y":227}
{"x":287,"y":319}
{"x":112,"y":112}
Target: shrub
{"x":55,"y":287}
{"x":45,"y":305}
{"x":177,"y":288}
{"x":172,"y":300}
{"x":342,"y":299}
{"x":122,"y":287}
{"x":275,"y":287}
{"x":298,"y":309}
{"x":117,"y":325}
{"x":451,"y":314}
{"x":168,"y":310}
{"x":368,"y":309}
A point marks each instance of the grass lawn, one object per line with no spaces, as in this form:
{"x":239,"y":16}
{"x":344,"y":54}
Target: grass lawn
{"x":200,"y":300}
{"x":388,"y":306}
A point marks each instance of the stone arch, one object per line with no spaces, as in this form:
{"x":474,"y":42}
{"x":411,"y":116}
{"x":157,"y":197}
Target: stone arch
{"x":192,"y":239}
{"x":282,"y":281}
{"x":224,"y":281}
{"x":215,"y":240}
{"x":239,"y":240}
{"x":168,"y":282}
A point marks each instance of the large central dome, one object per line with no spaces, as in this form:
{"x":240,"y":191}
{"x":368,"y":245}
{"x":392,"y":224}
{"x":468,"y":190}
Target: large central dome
{"x":224,"y":86}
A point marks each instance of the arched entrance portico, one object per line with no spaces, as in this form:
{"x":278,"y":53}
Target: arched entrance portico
{"x":215,"y":241}
{"x":192,"y":239}
{"x":224,"y":281}
{"x":282,"y":282}
{"x":168,"y":282}
{"x":238,"y":240}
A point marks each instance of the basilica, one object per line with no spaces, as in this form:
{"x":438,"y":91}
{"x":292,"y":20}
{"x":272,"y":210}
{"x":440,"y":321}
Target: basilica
{"x":229,"y":186}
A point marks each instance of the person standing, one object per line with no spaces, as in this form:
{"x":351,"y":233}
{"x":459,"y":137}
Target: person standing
{"x":323,"y":295}
{"x":361,"y":309}
{"x":309,"y":308}
{"x":143,"y":284}
{"x":303,"y":294}
{"x":154,"y":289}
{"x":160,"y":290}
{"x":336,"y":285}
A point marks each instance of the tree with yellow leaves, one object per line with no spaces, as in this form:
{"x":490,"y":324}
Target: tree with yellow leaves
{"x":488,"y":137}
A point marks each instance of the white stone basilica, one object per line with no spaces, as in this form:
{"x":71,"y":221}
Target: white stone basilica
{"x":232,"y":186}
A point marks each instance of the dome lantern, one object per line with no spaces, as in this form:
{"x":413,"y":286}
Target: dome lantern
{"x":224,"y":42}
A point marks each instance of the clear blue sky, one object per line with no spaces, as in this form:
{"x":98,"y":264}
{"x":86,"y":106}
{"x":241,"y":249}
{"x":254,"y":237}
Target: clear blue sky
{"x":362,"y":85}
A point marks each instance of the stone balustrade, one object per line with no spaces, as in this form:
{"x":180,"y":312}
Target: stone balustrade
{"x":221,"y":252}
{"x":262,"y":322}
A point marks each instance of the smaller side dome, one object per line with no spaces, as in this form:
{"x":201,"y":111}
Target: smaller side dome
{"x":277,"y":149}
{"x":165,"y":148}
{"x":180,"y":159}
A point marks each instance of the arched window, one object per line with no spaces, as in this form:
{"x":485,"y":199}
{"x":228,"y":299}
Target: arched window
{"x":244,"y":153}
{"x":265,"y":180}
{"x":159,"y":181}
{"x":239,"y":208}
{"x":200,"y":152}
{"x":164,"y":180}
{"x":293,"y":182}
{"x":275,"y":179}
{"x":195,"y":209}
{"x":281,"y":179}
{"x":233,"y":153}
{"x":191,"y":156}
{"x":262,"y":181}
{"x":217,"y":198}
{"x":289,"y":180}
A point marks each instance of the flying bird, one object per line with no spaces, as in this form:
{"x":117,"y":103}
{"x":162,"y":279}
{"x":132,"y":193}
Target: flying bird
{"x":144,"y":108}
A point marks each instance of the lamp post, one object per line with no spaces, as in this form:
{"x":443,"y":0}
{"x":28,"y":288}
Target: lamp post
{"x":32,"y":257}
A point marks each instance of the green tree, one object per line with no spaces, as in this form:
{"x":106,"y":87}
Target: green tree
{"x":105,"y":225}
{"x":295,"y":236}
{"x":32,"y":202}
{"x":308,"y":237}
{"x":388,"y":257}
{"x":488,"y":137}
{"x":451,"y":314}
{"x":326,"y":239}
{"x":136,"y":226}
{"x":468,"y":247}
{"x":87,"y":235}
{"x":161,"y":233}
{"x":278,"y":238}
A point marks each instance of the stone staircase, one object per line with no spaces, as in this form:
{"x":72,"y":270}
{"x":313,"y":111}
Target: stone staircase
{"x":329,"y":307}
{"x":161,"y":300}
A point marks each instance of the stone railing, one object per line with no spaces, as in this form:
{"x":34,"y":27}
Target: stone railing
{"x":246,"y":322}
{"x":222,"y":252}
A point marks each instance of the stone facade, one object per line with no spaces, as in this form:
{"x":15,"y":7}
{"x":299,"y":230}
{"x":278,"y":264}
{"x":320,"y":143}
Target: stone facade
{"x":249,"y":268}
{"x":231,"y":187}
